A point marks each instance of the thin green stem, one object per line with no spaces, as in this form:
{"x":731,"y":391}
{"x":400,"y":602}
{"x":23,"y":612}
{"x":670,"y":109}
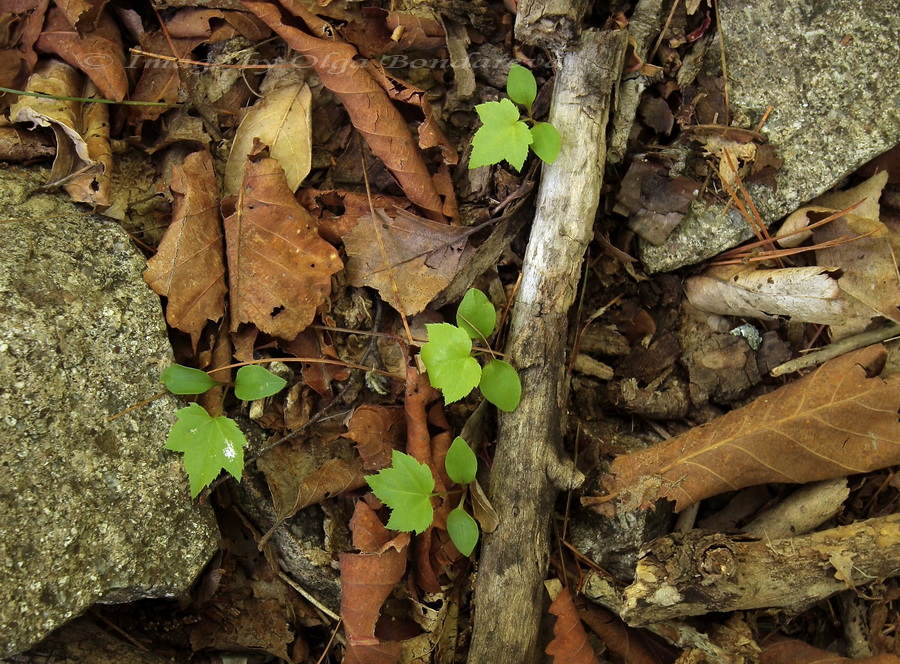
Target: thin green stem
{"x":86,"y":100}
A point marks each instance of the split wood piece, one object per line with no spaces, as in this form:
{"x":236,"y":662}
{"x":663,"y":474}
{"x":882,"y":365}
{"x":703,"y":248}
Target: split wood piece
{"x":550,"y":23}
{"x":803,"y":511}
{"x":701,"y":572}
{"x":528,"y":470}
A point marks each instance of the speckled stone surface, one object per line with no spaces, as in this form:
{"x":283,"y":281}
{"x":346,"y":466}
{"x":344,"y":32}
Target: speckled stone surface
{"x":830,"y":69}
{"x":90,"y":510}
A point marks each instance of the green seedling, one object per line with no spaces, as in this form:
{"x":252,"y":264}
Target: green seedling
{"x":213,"y":444}
{"x":448,"y":356}
{"x":505,"y":134}
{"x":408,"y":487}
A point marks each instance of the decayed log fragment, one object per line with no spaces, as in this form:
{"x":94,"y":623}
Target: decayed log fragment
{"x":699,"y":572}
{"x":528,"y":470}
{"x":550,"y":23}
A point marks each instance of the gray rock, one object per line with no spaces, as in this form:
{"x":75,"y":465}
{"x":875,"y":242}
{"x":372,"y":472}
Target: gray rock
{"x":90,"y":510}
{"x":830,"y":69}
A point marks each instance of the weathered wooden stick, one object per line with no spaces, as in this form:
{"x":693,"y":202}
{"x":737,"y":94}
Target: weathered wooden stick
{"x":700,"y":572}
{"x":529,"y":469}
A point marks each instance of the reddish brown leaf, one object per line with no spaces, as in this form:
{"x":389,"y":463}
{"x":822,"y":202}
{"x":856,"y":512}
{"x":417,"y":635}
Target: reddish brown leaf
{"x":369,"y":534}
{"x":791,"y":651}
{"x":840,"y":420}
{"x":377,"y":431}
{"x":215,"y":25}
{"x":159,"y":80}
{"x":367,"y":104}
{"x":334,"y":228}
{"x":20,"y":27}
{"x":97,"y":52}
{"x":189,"y":267}
{"x":423,"y":257}
{"x":318,"y":376}
{"x":301,"y":475}
{"x":279,"y":268}
{"x":570,"y":643}
{"x":367,"y":580}
{"x":377,"y":653}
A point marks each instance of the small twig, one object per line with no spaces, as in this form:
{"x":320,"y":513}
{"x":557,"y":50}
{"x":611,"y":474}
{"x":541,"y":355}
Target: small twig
{"x":837,"y":349}
{"x":724,"y":64}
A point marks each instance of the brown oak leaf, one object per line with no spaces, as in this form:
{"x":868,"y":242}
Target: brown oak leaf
{"x":189,"y":267}
{"x":279,"y":268}
{"x":840,"y":420}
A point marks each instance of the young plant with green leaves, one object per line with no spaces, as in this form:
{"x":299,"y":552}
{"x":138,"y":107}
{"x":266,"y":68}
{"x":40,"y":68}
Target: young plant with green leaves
{"x":213,"y":444}
{"x":449,"y":362}
{"x":505,"y":134}
{"x":407,"y":487}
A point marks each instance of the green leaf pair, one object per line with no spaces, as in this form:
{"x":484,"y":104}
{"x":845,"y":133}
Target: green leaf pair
{"x":504,"y":136}
{"x":407,"y":488}
{"x":212,"y":444}
{"x":451,"y":367}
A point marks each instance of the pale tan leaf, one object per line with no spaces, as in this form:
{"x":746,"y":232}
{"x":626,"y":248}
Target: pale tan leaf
{"x":189,"y":267}
{"x":281,"y":120}
{"x":840,"y":420}
{"x":805,"y":294}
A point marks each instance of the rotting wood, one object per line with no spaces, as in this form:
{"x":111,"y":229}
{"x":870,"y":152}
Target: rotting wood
{"x":700,"y":572}
{"x":529,"y":469}
{"x":550,"y":23}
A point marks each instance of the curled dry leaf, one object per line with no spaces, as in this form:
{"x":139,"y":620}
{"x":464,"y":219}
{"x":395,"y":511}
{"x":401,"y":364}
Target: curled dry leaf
{"x":189,"y":266}
{"x":279,"y":268}
{"x":158,"y":83}
{"x":97,"y":52}
{"x":804,"y":294}
{"x":367,"y":580}
{"x":367,"y":104}
{"x":377,"y":432}
{"x":83,"y":157}
{"x":21,"y":26}
{"x":82,"y":14}
{"x":281,"y":120}
{"x":215,"y":25}
{"x":840,"y":420}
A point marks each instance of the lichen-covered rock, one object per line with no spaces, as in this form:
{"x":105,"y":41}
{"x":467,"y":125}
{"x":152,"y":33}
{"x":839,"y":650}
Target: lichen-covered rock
{"x":829,"y":71}
{"x":90,"y":510}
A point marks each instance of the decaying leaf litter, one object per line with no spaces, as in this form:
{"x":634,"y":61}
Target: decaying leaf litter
{"x":343,"y":219}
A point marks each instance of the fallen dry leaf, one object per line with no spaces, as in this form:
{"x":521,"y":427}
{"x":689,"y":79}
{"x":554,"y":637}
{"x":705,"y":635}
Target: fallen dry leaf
{"x":570,"y":642}
{"x":20,"y":27}
{"x":840,"y":420}
{"x":423,"y":257}
{"x":279,"y":269}
{"x":97,"y":52}
{"x":791,"y":651}
{"x":189,"y":266}
{"x":82,"y":14}
{"x":803,"y":294}
{"x":367,"y":104}
{"x":281,"y":120}
{"x":159,"y":81}
{"x":215,"y":25}
{"x":83,"y":157}
{"x":377,"y":432}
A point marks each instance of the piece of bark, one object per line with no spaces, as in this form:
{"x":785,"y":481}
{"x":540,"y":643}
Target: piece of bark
{"x":528,"y":471}
{"x":701,"y":572}
{"x":550,"y":23}
{"x":805,"y":509}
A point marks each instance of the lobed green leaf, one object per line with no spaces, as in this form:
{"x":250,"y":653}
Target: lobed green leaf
{"x":502,"y":136}
{"x":180,"y":379}
{"x":254,"y":382}
{"x":500,"y":385}
{"x":406,"y":488}
{"x":460,"y":462}
{"x":210,"y":445}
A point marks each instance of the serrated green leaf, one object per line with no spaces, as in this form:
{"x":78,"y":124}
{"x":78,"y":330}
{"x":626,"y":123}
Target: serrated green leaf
{"x":210,"y":445}
{"x":463,"y":530}
{"x":546,"y":141}
{"x":476,"y":315}
{"x":447,"y":357}
{"x":521,"y":86}
{"x":500,"y":385}
{"x":406,"y":488}
{"x":503,"y":136}
{"x":255,"y":382}
{"x":180,"y":379}
{"x":460,"y":462}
